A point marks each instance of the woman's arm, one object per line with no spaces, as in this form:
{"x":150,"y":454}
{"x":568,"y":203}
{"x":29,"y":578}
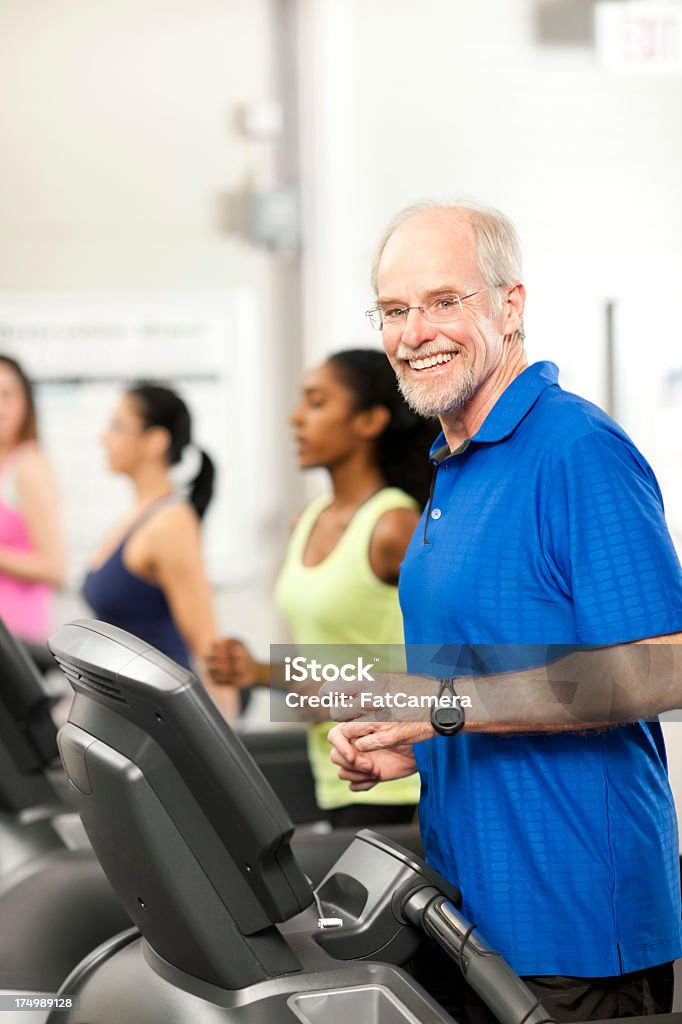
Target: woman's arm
{"x":39,"y":504}
{"x":176,"y":562}
{"x":388,"y":545}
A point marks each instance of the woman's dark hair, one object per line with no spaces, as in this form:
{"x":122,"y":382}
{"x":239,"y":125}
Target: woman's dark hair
{"x":403,"y":448}
{"x":28,"y":430}
{"x":160,"y":407}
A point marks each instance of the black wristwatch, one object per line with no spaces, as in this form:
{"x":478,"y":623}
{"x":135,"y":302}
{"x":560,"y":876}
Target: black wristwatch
{"x":447,"y":719}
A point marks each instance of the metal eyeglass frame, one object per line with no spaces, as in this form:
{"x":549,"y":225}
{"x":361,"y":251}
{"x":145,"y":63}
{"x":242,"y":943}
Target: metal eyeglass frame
{"x":376,"y":313}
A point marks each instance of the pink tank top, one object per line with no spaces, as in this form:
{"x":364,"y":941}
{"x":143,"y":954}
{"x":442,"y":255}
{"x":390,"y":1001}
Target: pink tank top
{"x":25,"y":605}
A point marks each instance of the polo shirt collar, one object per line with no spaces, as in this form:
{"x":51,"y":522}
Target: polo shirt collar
{"x":509,"y":409}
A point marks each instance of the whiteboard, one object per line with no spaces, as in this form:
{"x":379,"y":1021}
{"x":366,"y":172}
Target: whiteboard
{"x":82,"y":350}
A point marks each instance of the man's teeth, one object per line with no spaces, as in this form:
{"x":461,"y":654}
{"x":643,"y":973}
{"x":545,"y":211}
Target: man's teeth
{"x":429,"y":361}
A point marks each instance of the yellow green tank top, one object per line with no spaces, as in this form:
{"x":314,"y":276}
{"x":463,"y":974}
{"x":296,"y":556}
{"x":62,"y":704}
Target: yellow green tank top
{"x":341,"y":601}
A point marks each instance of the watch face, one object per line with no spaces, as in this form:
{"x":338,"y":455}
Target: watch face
{"x":447,"y":719}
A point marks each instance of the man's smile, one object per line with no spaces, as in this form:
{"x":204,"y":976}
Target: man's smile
{"x":428,"y":362}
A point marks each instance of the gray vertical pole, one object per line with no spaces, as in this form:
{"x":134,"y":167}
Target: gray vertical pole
{"x":285,"y":26}
{"x":287,"y":264}
{"x":287,"y":163}
{"x":610,"y":353}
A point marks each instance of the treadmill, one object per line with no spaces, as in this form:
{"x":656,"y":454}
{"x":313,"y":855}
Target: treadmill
{"x":228,"y":928}
{"x":55,"y":901}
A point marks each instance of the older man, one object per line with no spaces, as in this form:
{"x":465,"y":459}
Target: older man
{"x":545,"y":527}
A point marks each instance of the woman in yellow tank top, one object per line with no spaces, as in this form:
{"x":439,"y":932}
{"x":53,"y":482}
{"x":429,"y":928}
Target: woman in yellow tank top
{"x":338,"y":583}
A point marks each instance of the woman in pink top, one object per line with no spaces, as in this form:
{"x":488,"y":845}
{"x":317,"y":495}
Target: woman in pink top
{"x":31,"y":545}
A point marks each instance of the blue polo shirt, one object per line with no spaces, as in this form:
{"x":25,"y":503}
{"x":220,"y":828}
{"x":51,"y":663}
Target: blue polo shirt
{"x":548,"y":528}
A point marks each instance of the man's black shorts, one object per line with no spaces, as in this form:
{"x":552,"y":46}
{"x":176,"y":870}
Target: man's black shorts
{"x":566,"y":999}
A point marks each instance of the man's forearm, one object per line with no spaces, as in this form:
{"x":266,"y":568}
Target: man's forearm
{"x":590,"y":689}
{"x":587,"y":689}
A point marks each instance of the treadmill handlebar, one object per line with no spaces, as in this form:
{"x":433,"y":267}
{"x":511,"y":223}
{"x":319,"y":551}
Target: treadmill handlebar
{"x":485,"y":970}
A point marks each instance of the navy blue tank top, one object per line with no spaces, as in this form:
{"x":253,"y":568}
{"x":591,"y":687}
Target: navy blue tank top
{"x":119,"y":597}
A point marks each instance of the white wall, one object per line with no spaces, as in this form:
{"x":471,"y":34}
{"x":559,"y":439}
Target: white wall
{"x":123,"y":168}
{"x":408,"y":102}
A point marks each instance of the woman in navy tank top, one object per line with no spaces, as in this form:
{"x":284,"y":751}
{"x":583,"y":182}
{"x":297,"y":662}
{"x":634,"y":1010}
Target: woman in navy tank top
{"x":148,"y":576}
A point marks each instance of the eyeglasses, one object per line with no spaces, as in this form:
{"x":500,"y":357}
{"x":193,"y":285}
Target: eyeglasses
{"x":441,"y":309}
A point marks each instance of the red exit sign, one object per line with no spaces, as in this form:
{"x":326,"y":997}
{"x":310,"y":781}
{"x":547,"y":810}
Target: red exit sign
{"x":639,"y":37}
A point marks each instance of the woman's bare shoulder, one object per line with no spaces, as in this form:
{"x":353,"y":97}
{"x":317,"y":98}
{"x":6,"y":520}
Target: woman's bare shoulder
{"x":33,"y":466}
{"x":174,"y":520}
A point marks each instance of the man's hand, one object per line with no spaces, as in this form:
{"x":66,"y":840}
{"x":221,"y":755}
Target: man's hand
{"x":365,"y":736}
{"x":230,"y":663}
{"x":364,"y":770}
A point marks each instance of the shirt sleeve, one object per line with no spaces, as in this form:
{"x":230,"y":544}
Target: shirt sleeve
{"x":606,"y":538}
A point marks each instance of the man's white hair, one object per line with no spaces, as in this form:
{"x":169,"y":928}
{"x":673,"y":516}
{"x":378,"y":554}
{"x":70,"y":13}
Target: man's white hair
{"x":498,"y":252}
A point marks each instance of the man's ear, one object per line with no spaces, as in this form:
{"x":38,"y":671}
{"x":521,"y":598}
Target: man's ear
{"x":371,"y":423}
{"x":514,"y":305}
